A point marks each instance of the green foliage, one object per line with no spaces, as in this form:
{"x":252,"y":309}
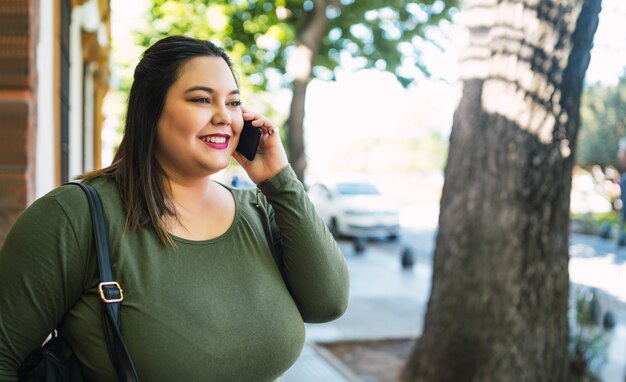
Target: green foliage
{"x":382,"y":37}
{"x":603,"y":118}
{"x":260,"y":35}
{"x":592,"y":223}
{"x":410,"y":155}
{"x":428,"y":153}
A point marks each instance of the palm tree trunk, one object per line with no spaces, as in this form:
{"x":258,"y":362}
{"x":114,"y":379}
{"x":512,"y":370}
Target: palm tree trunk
{"x":499,"y":299}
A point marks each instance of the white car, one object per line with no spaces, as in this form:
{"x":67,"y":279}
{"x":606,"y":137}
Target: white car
{"x":355,"y":209}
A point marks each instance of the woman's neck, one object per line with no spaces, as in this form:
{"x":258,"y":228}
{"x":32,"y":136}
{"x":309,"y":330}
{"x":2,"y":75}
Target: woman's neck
{"x":204,"y":209}
{"x":190,"y":193}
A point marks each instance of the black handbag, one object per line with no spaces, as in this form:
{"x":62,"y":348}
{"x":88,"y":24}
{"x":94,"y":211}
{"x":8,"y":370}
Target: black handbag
{"x":55,"y":360}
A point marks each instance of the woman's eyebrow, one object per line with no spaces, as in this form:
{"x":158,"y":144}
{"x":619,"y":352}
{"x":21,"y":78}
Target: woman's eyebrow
{"x":208,"y":90}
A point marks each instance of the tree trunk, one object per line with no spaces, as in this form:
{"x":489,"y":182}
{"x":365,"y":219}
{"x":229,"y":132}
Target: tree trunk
{"x":300,"y":67}
{"x":499,"y":299}
{"x":295,"y":131}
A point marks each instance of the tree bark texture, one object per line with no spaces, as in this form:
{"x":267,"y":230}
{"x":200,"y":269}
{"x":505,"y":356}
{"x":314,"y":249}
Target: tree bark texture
{"x":312,"y":29}
{"x":499,"y":296}
{"x":295,"y":128}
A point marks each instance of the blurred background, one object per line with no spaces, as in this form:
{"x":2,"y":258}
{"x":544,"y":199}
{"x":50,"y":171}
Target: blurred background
{"x":367,"y":107}
{"x":361,"y":119}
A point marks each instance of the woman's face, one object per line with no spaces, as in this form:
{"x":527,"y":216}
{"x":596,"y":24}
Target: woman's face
{"x":201,"y":120}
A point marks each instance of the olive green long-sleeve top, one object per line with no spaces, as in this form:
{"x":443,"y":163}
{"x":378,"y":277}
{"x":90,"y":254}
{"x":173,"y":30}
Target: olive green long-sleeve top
{"x":227,"y":309}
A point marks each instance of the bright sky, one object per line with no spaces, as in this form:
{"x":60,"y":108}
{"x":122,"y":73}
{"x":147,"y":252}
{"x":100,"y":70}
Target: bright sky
{"x":608,"y":57}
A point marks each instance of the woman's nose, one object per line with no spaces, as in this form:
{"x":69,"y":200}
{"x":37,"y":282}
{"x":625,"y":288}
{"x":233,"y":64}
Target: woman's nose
{"x":220,"y":115}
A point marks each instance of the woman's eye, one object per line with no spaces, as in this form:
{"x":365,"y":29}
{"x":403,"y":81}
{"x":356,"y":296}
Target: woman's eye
{"x":235,"y":103}
{"x":202,"y":100}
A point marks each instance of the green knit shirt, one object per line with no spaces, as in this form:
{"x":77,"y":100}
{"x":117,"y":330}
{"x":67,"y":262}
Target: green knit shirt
{"x":227,"y":309}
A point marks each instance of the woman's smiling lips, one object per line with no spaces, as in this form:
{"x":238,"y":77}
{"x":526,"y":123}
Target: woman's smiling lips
{"x":216,"y":141}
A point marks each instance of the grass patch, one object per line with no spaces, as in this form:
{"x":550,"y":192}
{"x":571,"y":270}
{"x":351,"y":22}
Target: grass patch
{"x":592,"y":223}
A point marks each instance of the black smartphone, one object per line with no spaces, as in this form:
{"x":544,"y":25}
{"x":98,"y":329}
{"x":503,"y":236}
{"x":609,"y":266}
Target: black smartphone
{"x":249,"y":140}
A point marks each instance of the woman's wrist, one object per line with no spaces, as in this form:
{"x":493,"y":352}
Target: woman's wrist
{"x":278,"y":179}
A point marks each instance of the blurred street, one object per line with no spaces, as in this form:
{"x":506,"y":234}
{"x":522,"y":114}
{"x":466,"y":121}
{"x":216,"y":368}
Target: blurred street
{"x":390,"y":302}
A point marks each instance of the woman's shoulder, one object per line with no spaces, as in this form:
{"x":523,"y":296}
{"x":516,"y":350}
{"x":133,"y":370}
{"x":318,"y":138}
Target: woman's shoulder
{"x":62,"y":212}
{"x":72,"y":196}
{"x":65,"y":196}
{"x":68,"y":204}
{"x":248,"y":197}
{"x":243,"y":193}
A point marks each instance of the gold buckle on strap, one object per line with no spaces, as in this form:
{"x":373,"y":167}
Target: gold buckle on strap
{"x":110,"y":284}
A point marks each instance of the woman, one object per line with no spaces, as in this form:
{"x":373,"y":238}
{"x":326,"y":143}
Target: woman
{"x":217,"y":281}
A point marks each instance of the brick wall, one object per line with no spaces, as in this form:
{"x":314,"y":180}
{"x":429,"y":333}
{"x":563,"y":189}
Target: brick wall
{"x":18,"y":39}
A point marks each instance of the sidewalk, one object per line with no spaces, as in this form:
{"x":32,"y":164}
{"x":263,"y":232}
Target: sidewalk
{"x":600,"y":264}
{"x":388,"y":302}
{"x":385,"y":302}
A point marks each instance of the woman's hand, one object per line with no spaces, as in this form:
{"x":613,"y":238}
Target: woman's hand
{"x":271,"y":156}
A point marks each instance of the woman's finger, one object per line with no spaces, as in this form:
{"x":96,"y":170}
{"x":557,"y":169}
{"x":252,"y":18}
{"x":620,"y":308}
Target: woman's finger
{"x":258,"y":120}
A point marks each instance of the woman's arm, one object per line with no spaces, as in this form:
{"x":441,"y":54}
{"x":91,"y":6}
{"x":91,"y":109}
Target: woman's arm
{"x":42,"y":271}
{"x":314,"y":267}
{"x":312,"y":264}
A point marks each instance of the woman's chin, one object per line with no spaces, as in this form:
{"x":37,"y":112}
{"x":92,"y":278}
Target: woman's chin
{"x":217,"y":165}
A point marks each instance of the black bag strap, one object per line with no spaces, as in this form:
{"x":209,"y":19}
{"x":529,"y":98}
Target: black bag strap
{"x":111,"y":294}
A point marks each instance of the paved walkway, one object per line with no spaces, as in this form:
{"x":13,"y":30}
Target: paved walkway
{"x":385,"y":302}
{"x":389,"y":302}
{"x":312,"y":367}
{"x":600,"y":264}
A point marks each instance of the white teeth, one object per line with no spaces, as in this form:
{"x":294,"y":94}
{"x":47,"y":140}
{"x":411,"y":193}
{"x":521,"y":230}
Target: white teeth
{"x":214,"y":139}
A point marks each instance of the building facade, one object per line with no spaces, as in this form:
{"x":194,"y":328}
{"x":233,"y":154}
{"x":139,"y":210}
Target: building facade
{"x":54,"y":72}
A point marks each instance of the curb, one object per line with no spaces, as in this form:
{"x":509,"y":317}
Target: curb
{"x":336,"y":363}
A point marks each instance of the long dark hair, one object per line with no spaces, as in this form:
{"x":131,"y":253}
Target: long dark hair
{"x":139,"y":178}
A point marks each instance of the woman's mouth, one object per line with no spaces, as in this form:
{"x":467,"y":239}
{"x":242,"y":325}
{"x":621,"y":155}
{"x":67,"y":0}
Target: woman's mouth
{"x":216,"y":141}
